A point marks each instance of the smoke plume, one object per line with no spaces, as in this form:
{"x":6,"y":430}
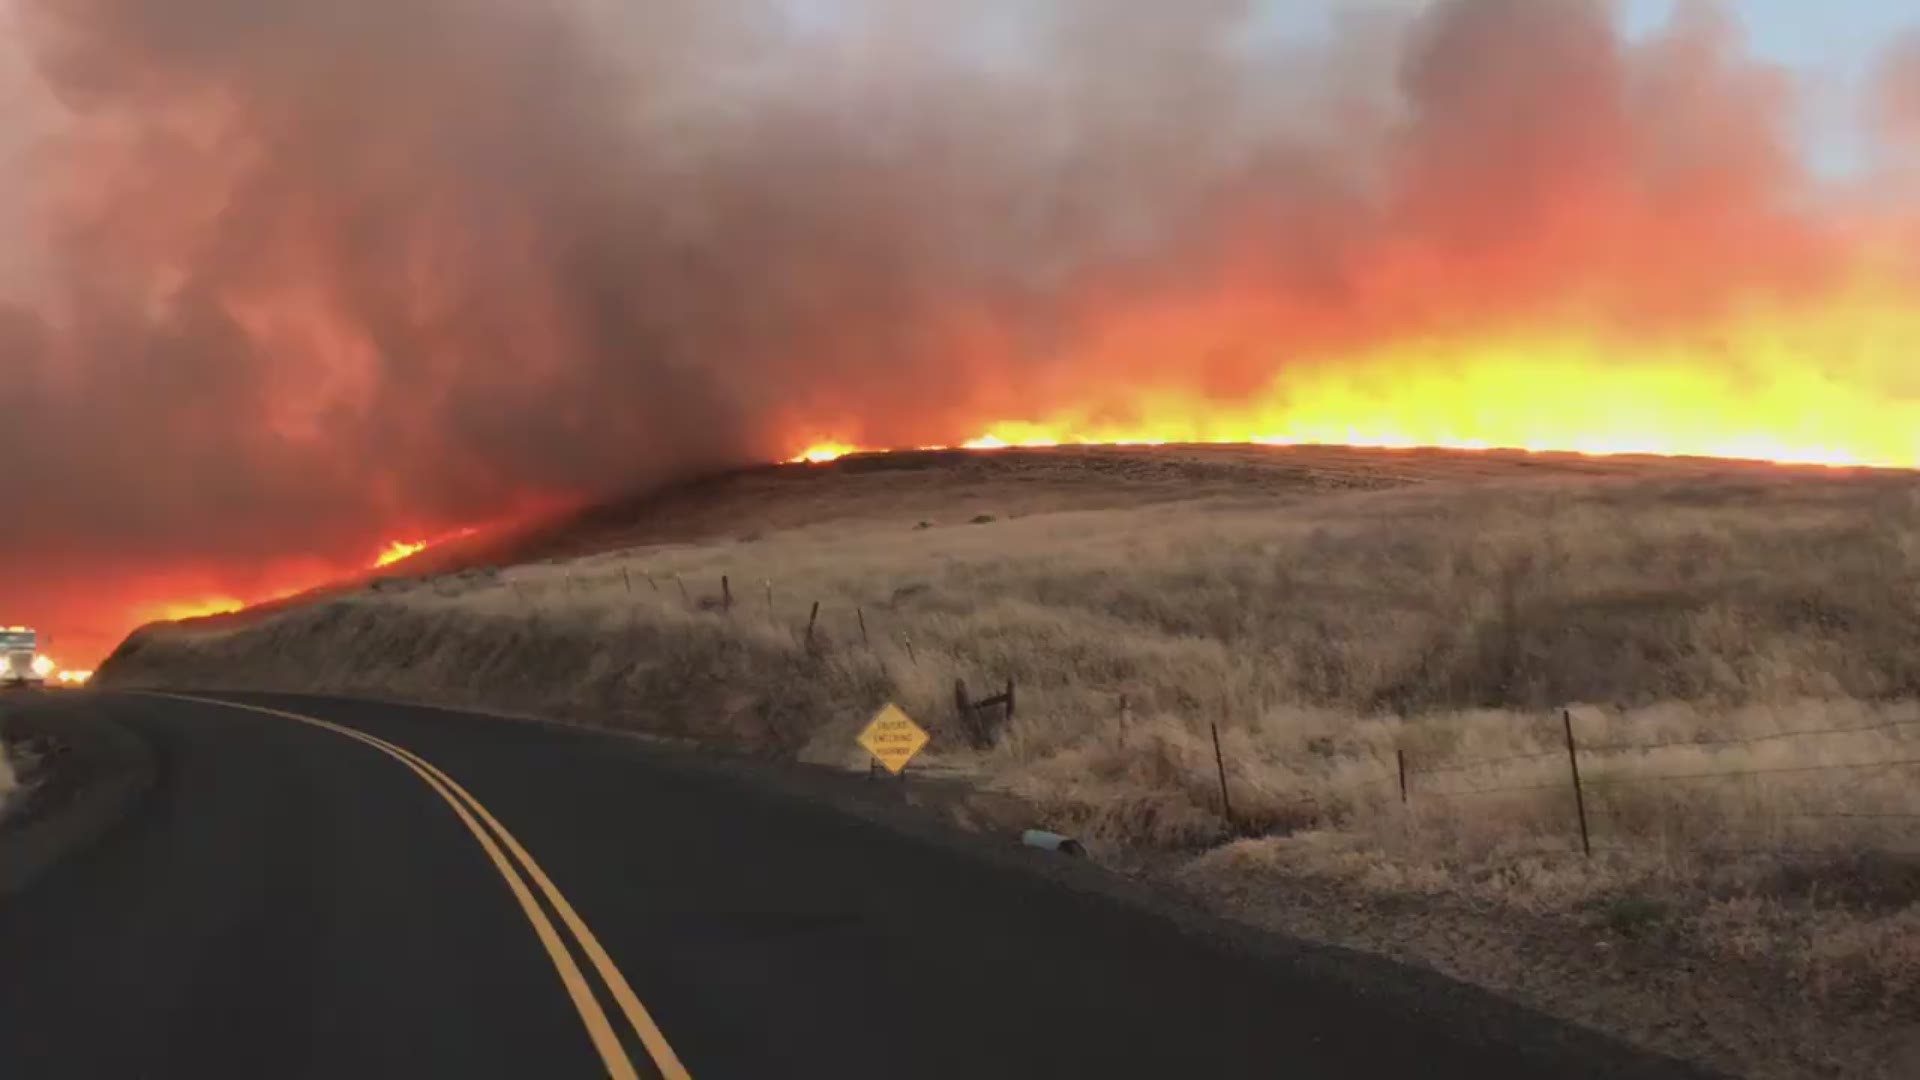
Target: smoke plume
{"x":297,"y":277}
{"x":1896,"y":97}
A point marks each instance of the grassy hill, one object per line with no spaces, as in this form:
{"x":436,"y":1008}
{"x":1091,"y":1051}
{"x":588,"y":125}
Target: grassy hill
{"x":1335,"y":614}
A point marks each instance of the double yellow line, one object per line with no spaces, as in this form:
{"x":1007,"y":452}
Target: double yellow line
{"x":491,"y":836}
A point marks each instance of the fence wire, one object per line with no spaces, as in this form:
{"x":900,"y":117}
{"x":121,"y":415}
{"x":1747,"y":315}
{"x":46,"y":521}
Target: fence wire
{"x":1486,"y":763}
{"x":1596,"y":765}
{"x":1625,"y":748}
{"x":1593,"y":756}
{"x":1729,"y":774}
{"x":1464,"y":793}
{"x":1621,"y":748}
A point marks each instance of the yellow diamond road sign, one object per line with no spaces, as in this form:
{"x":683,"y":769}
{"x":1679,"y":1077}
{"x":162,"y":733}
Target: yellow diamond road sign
{"x":893,"y":738}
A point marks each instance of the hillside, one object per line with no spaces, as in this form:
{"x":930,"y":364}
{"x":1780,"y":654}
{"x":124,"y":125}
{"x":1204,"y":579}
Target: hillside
{"x":1338,"y":615}
{"x":949,"y":486}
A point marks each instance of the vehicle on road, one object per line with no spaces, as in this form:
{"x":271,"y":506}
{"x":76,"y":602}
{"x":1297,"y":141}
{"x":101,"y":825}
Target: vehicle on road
{"x":20,"y":661}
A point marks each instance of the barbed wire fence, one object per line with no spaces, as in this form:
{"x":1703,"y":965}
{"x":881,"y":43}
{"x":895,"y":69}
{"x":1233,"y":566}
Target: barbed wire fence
{"x":1600,"y":758}
{"x":623,"y":590}
{"x":1589,"y":775}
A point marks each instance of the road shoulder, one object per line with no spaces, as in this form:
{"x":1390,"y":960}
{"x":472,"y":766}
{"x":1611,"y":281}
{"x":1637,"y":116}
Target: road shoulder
{"x":87,"y":775}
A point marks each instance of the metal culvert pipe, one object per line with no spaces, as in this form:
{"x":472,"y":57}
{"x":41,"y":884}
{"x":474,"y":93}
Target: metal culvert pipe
{"x":1051,"y":841}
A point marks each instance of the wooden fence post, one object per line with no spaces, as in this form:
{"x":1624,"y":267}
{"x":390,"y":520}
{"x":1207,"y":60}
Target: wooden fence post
{"x":861,"y":614}
{"x":627,"y":576}
{"x":811,"y":619}
{"x":1579,"y":799}
{"x":1400,"y":756}
{"x":726,"y":594}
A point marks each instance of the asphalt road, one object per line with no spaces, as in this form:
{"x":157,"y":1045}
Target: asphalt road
{"x":290,"y":900}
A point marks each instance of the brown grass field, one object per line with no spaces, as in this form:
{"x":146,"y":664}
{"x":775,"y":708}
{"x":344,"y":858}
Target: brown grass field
{"x":1739,"y":647}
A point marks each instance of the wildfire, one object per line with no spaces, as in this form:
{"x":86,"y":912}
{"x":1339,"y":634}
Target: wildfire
{"x":74,"y":678}
{"x":310,"y":578}
{"x":398,"y":550}
{"x":181,"y":611}
{"x":1828,"y":385}
{"x":401,"y":550}
{"x":822,"y":452}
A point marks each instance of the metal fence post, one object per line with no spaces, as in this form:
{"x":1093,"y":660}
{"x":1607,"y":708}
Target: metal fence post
{"x":1579,"y":799}
{"x":1220,"y":763}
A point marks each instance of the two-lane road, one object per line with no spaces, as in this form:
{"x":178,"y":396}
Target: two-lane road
{"x":340,"y":889}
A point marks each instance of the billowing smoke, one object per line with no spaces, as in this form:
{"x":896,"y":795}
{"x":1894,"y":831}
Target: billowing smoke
{"x":1896,"y":97}
{"x":298,"y":276}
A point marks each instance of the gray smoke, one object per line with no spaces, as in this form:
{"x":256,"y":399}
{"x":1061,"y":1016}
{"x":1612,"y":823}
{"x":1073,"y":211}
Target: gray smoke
{"x":1896,"y":100}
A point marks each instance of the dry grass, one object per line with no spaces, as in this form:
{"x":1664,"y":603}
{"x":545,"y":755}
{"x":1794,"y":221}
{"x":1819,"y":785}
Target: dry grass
{"x":1446,"y":620}
{"x":1325,"y":616}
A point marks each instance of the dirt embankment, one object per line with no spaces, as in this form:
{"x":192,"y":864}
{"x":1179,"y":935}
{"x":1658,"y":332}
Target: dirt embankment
{"x":1735,"y":643}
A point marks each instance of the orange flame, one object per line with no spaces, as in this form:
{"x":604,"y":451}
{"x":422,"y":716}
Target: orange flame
{"x":822,"y":452}
{"x":1832,"y":384}
{"x":180,"y":611}
{"x":398,"y":550}
{"x":206,"y":606}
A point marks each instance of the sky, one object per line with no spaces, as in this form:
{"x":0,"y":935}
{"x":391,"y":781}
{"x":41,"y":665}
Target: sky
{"x":1832,"y":46}
{"x":1839,"y":36}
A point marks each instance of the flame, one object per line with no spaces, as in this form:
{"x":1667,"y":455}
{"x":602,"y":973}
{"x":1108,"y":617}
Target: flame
{"x":1830,"y":384}
{"x":74,"y":678}
{"x":44,"y":666}
{"x":398,"y":550}
{"x":822,"y":452}
{"x":298,"y":580}
{"x":181,"y":611}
